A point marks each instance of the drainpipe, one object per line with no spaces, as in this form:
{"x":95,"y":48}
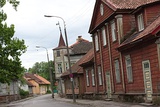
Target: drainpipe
{"x":101,"y":58}
{"x":110,"y":58}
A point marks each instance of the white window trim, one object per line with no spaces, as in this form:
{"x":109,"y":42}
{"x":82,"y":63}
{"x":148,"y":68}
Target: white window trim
{"x":119,"y":26}
{"x":59,"y":67}
{"x":93,"y":77}
{"x":103,"y":31}
{"x":96,"y":42}
{"x":129,"y":73}
{"x":99,"y":75}
{"x":87,"y":78}
{"x":140,"y":22}
{"x":117,"y":71}
{"x":113,"y":30}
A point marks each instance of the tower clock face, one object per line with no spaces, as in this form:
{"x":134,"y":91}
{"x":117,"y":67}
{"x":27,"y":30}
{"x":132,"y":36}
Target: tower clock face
{"x":101,"y":9}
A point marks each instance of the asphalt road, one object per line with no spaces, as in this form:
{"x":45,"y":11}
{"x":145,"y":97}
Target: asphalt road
{"x":43,"y":101}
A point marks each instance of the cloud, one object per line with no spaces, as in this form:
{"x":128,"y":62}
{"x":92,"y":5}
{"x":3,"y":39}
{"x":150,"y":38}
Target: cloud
{"x":35,"y":29}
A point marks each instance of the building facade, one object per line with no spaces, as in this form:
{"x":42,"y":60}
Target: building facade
{"x":125,"y":38}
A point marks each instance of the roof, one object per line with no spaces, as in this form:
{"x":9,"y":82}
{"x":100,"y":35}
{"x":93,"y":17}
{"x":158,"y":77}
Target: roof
{"x":127,"y":4}
{"x":88,"y":57}
{"x":152,"y":29}
{"x":36,"y":78}
{"x":61,"y":44}
{"x":81,"y":46}
{"x":76,"y":68}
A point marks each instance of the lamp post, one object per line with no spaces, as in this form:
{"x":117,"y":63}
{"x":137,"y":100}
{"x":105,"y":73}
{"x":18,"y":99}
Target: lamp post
{"x":50,"y":72}
{"x":68,"y":55}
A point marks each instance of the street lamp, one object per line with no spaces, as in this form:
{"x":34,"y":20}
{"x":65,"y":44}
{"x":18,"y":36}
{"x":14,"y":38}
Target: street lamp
{"x":50,"y":72}
{"x":68,"y":55}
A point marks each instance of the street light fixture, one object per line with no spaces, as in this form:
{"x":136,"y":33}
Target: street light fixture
{"x":68,"y":55}
{"x":50,"y":72}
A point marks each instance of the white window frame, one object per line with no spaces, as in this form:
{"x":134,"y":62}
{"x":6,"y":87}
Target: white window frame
{"x":104,"y":36}
{"x":93,"y":77}
{"x":113,"y":30}
{"x":140,"y":22}
{"x":96,"y":42}
{"x":58,"y":53}
{"x":59,"y":67}
{"x":87,"y":78}
{"x":119,"y":26}
{"x":117,"y":71}
{"x":99,"y":75}
{"x":129,"y":68}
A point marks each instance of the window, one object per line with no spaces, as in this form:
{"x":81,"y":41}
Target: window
{"x":93,"y":77}
{"x":66,"y":64}
{"x":117,"y":71}
{"x":87,"y":78}
{"x":60,"y":68}
{"x":129,"y":68}
{"x":58,"y":53}
{"x":96,"y":43}
{"x":113,"y":30}
{"x":99,"y":75}
{"x":140,"y":22}
{"x":119,"y":26}
{"x":101,"y":9}
{"x":104,"y":36}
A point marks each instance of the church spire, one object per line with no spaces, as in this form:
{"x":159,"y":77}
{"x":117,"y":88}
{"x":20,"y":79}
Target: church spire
{"x":61,"y":40}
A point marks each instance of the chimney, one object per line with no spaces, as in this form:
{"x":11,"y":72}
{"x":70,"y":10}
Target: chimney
{"x":79,"y":39}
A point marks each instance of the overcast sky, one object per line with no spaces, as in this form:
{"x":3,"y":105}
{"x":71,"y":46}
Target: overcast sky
{"x":37,"y":30}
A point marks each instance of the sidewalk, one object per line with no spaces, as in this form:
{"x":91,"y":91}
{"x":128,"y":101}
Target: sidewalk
{"x":101,"y":103}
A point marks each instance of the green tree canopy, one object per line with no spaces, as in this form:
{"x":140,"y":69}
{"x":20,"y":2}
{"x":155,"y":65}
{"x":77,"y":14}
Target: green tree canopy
{"x":42,"y":69}
{"x":11,"y":48}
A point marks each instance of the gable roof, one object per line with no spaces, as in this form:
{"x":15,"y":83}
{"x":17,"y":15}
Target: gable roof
{"x":76,"y":68}
{"x":36,"y":78}
{"x":88,"y":58}
{"x":81,"y":46}
{"x":116,"y":5}
{"x":127,"y":4}
{"x":152,"y":29}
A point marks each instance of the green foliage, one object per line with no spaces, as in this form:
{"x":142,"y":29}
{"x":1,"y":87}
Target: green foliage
{"x":23,"y":93}
{"x":11,"y":48}
{"x":42,"y":69}
{"x":48,"y":92}
{"x":156,"y":100}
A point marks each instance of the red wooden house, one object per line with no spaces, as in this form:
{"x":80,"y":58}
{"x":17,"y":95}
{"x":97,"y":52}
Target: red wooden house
{"x":78,"y":76}
{"x":124,"y":47}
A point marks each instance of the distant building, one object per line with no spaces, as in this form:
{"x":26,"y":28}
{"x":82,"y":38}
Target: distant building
{"x":36,"y":84}
{"x":76,"y":50}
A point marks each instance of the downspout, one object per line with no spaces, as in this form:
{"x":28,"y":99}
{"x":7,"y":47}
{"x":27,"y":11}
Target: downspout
{"x":101,"y":58}
{"x":110,"y":58}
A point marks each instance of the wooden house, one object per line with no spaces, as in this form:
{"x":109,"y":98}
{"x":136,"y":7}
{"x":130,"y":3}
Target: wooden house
{"x":124,"y":48}
{"x":39,"y":84}
{"x":78,"y":76}
{"x":76,"y":51}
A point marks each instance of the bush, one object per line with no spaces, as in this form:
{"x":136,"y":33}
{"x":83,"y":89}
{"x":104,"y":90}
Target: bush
{"x":48,"y":92}
{"x":156,"y":101}
{"x":23,"y":93}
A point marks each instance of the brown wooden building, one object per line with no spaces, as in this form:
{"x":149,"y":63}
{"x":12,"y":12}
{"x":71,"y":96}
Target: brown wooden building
{"x":126,"y":48}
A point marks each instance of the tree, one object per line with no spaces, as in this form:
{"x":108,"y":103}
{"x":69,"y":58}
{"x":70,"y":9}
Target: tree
{"x":11,"y":48}
{"x":42,"y":69}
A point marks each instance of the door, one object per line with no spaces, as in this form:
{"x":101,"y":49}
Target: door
{"x":147,"y":79}
{"x":108,"y":81}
